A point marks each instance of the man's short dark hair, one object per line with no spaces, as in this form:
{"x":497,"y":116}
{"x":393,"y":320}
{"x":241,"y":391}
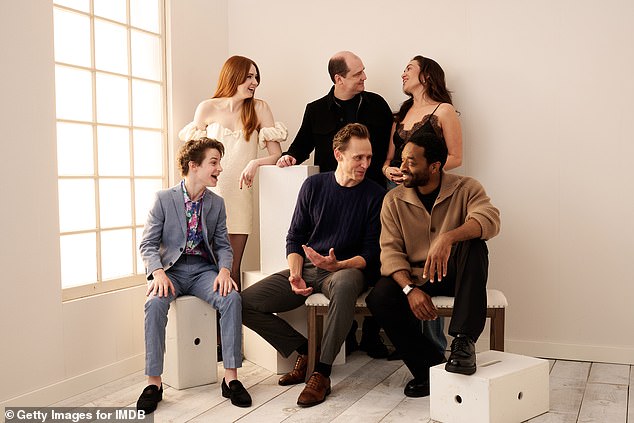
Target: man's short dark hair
{"x":194,"y":151}
{"x":435,"y":148}
{"x":342,"y":137}
{"x":337,"y":66}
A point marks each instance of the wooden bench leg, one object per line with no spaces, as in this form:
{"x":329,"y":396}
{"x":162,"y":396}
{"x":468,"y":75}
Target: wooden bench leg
{"x":497,"y":330}
{"x":314,"y":330}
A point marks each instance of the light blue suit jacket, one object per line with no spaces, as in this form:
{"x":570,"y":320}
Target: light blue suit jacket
{"x":165,"y":232}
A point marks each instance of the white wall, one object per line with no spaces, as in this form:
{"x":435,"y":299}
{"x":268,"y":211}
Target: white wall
{"x":30,"y":304}
{"x":545,"y":91}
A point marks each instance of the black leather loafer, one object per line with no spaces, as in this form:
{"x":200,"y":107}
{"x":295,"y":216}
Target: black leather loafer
{"x":149,"y":399}
{"x":236,"y":393}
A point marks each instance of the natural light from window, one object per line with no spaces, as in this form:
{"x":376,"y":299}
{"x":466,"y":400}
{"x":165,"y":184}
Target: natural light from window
{"x":110,"y":91}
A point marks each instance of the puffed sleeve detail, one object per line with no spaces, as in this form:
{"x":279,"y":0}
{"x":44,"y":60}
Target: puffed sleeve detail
{"x":191,"y":132}
{"x":278,"y":133}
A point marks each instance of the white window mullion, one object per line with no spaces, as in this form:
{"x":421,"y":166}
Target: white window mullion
{"x":95,"y":139}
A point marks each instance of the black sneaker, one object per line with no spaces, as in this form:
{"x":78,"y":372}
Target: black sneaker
{"x":237,"y":393}
{"x":149,"y":399}
{"x":463,"y":357}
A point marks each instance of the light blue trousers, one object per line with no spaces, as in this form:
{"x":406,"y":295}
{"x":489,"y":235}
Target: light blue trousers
{"x":193,"y":275}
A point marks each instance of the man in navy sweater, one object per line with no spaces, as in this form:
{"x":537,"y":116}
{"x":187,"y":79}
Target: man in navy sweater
{"x":346,"y":102}
{"x":332,"y":247}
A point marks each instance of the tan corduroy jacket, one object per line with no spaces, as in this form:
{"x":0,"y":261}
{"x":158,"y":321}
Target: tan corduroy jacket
{"x":408,"y":229}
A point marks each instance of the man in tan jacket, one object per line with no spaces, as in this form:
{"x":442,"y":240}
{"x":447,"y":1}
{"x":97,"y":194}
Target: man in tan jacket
{"x":433,"y":236}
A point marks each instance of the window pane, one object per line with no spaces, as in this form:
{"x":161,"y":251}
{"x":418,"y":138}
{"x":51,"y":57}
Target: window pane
{"x":111,"y":47}
{"x":144,"y":190}
{"x":112,"y":99}
{"x":78,"y":259}
{"x":116,"y":253}
{"x":72,"y":37}
{"x":76,"y":204}
{"x":73,"y":93}
{"x":114,"y":202}
{"x":146,"y":104}
{"x":148,"y":153}
{"x":114,"y":151}
{"x":145,"y":14}
{"x":74,"y":149}
{"x":140,"y":267}
{"x":146,"y":56}
{"x":83,"y":5}
{"x":111,"y":9}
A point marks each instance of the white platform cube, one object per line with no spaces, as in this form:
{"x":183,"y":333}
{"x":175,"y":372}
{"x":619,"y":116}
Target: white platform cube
{"x":190,"y":344}
{"x":506,"y":388}
{"x":260,"y":352}
{"x":278,"y":194}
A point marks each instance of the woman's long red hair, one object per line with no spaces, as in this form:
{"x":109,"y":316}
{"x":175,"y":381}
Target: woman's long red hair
{"x":233,"y":73}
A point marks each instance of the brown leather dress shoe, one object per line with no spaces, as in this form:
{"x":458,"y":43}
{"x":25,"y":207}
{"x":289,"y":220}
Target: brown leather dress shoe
{"x":316,"y":390}
{"x":298,"y":374}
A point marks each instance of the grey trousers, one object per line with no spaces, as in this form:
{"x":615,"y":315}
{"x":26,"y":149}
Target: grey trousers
{"x":274,"y":295}
{"x":193,"y":275}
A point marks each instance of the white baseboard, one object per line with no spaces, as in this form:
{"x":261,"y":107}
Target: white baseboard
{"x":77,"y":384}
{"x":557,"y":351}
{"x":577,"y":352}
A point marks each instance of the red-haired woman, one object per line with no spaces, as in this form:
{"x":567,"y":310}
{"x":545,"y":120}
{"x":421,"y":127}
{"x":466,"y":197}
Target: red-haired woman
{"x":241,"y":122}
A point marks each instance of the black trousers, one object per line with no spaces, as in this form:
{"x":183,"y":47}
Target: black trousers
{"x":467,"y":272}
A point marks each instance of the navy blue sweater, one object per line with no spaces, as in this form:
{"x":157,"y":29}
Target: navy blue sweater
{"x":347,"y":219}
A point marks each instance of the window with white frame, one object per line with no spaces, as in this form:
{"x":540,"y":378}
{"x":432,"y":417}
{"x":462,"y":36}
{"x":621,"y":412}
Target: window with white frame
{"x":111,"y":138}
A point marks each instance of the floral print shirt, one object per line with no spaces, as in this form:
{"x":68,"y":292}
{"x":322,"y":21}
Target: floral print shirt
{"x":193,"y":209}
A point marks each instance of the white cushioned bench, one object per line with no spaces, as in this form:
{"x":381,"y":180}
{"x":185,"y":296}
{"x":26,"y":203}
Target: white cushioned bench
{"x":317,"y":306}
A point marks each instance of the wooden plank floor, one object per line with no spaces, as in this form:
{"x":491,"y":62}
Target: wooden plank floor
{"x":367,"y":390}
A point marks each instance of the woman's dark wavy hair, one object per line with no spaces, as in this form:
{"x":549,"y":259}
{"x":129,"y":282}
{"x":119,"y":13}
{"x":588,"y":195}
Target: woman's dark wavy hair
{"x":434,"y":77}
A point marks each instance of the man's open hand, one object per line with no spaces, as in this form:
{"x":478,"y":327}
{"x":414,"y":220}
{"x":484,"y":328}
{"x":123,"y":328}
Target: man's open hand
{"x":329,"y":262}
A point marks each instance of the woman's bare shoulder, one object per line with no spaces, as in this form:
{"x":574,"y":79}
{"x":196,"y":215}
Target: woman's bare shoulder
{"x":446,"y":111}
{"x":446,"y":108}
{"x":261,"y":105}
{"x":209,"y":108}
{"x":211,"y":103}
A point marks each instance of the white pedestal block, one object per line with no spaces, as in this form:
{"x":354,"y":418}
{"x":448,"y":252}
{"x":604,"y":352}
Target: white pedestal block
{"x":278,"y":194}
{"x":260,"y":352}
{"x":190,"y":344}
{"x":256,"y":349}
{"x":506,"y":388}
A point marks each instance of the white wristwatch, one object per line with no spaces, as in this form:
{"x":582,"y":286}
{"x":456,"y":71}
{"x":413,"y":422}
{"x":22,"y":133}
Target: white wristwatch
{"x":408,"y":289}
